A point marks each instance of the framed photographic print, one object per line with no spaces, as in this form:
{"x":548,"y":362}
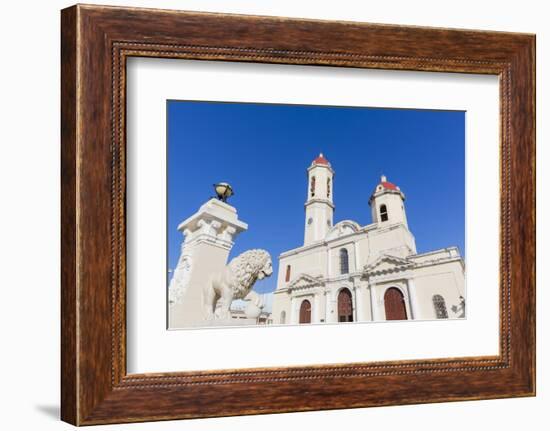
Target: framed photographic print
{"x":328,"y":271}
{"x":289,"y":207}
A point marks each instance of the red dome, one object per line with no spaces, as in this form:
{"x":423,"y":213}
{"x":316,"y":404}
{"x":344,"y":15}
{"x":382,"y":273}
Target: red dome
{"x":388,"y":185}
{"x":320,"y":160}
{"x":385,"y":184}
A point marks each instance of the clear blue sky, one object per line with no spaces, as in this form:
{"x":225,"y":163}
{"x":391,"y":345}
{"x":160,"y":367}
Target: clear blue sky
{"x":263,"y":151}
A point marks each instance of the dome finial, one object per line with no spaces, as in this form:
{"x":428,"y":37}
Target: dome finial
{"x":383,"y":178}
{"x":321,"y":160}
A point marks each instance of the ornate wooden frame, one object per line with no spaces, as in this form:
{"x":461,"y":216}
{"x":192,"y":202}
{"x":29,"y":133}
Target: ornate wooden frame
{"x":95,"y":42}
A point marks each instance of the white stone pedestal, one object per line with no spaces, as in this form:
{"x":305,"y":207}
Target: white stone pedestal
{"x":209,"y":237}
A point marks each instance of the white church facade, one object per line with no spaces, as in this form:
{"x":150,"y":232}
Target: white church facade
{"x":346,"y":272}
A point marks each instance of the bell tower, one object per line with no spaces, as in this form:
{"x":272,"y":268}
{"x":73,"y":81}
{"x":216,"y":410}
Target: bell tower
{"x":388,"y":204}
{"x":319,"y":205}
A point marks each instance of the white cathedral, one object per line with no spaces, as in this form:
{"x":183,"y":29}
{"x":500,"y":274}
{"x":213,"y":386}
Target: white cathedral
{"x":346,"y":272}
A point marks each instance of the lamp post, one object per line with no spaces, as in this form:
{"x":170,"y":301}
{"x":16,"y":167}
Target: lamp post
{"x":223,"y":191}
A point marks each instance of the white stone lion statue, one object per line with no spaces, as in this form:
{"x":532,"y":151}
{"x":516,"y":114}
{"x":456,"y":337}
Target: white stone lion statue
{"x":236,"y":281}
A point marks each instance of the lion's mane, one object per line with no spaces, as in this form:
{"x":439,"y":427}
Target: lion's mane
{"x":246,"y":268}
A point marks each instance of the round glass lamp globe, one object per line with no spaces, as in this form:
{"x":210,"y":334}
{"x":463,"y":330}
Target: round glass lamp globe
{"x":223,"y":190}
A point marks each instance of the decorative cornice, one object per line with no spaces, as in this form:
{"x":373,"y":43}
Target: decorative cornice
{"x":320,"y":201}
{"x":214,"y":240}
{"x":397,"y":261}
{"x":403,"y":264}
{"x":307,"y":280}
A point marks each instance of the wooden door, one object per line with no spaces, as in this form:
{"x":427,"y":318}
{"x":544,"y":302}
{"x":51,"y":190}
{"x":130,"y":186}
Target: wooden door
{"x":345,"y":306}
{"x":394,"y":303}
{"x":305,"y":311}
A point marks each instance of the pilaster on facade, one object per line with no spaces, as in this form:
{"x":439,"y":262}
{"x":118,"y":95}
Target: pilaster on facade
{"x":326,"y":299}
{"x":293,"y":312}
{"x":413,"y":298}
{"x":357,"y":297}
{"x":375,"y":307}
{"x":316,"y":315}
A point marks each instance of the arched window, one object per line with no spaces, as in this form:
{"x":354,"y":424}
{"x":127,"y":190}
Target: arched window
{"x":312,"y":186}
{"x":344,"y":261}
{"x":328,"y":187}
{"x":287,"y":275}
{"x":383,"y":213}
{"x":345,"y":306}
{"x":305,"y":311}
{"x":283,"y":317}
{"x":394,"y":304}
{"x":440,"y":307}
